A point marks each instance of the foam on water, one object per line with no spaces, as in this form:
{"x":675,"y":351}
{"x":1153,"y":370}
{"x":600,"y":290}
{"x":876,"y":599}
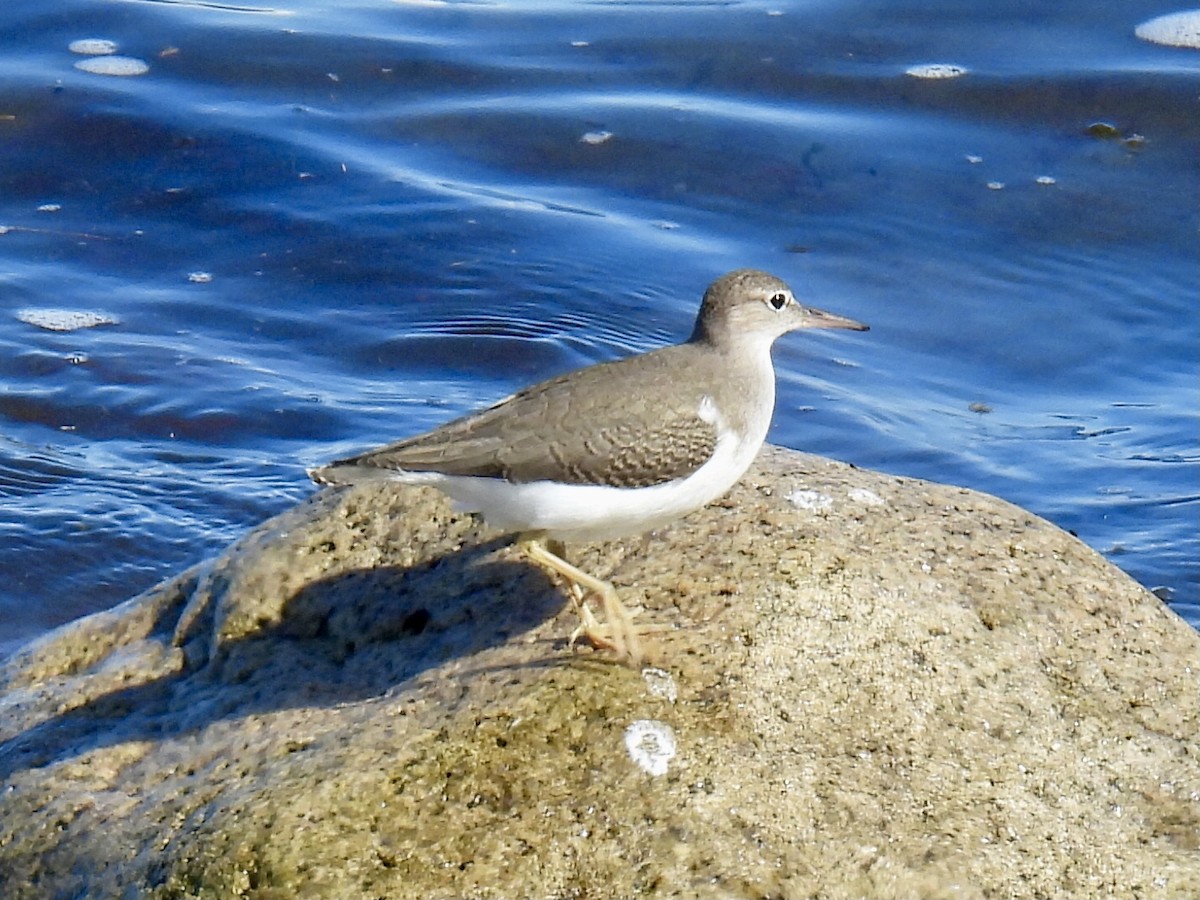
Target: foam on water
{"x":63,"y":319}
{"x":121,"y":66}
{"x":1181,"y":29}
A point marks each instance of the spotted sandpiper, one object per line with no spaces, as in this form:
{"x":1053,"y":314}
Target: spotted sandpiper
{"x":613,"y":449}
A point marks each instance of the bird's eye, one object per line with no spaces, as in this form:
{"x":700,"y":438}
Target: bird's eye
{"x":778,"y":301}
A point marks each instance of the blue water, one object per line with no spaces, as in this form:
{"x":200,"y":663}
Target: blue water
{"x":320,"y":227}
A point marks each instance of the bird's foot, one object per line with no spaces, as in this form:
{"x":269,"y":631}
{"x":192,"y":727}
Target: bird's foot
{"x":617,"y":632}
{"x":602,"y":635}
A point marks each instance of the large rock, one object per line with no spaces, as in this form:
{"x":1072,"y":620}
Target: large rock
{"x":876,"y":688}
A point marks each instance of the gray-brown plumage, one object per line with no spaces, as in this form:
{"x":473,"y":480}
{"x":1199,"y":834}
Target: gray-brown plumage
{"x":615,"y":448}
{"x":597,"y":425}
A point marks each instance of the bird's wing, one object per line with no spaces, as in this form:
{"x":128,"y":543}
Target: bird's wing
{"x":601,"y":425}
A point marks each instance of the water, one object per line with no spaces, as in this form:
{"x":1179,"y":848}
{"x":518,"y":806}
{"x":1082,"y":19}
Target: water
{"x":319,"y":227}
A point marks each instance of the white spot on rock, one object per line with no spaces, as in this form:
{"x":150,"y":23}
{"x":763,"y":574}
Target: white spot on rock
{"x":651,"y":745}
{"x":1181,"y":29}
{"x":812,"y":500}
{"x":866,"y":498}
{"x":660,"y":683}
{"x":64,"y":319}
{"x":936,"y":70}
{"x":113,"y":65}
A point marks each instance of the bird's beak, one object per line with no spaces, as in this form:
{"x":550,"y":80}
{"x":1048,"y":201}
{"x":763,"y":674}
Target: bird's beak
{"x":818,"y":318}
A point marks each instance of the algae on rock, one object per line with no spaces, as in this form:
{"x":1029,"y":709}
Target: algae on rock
{"x":883,"y":688}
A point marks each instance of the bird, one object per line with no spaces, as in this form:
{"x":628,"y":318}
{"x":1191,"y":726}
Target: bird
{"x":613,"y":449}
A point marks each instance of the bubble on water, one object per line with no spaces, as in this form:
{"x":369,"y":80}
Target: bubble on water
{"x":936,"y":70}
{"x":200,"y":277}
{"x":1181,"y":29}
{"x":113,"y":65}
{"x":64,"y":319}
{"x":93,"y":47}
{"x":596,"y":137}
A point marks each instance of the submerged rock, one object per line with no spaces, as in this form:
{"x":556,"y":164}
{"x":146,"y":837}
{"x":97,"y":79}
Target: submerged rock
{"x":907,"y":691}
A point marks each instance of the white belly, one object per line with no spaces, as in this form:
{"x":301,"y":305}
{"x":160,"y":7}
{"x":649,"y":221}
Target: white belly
{"x":589,"y":512}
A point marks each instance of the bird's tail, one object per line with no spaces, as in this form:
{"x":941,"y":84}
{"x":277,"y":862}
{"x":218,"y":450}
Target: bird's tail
{"x":348,"y":473}
{"x":361,"y":470}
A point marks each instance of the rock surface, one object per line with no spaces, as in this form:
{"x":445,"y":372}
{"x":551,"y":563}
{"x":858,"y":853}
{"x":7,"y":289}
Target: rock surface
{"x":870,"y":687}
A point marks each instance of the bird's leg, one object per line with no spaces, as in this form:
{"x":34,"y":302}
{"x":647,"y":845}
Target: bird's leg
{"x":577,"y":594}
{"x":589,"y":624}
{"x":618,"y":633}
